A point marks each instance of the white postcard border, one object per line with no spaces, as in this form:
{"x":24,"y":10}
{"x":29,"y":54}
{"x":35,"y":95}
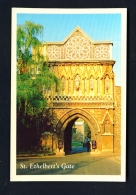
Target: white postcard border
{"x":109,"y":178}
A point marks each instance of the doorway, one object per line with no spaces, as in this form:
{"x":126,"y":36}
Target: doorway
{"x":76,"y":135}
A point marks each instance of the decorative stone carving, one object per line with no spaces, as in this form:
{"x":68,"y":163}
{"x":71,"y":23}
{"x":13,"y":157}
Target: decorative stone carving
{"x":77,"y":82}
{"x":54,"y":52}
{"x":107,"y":84}
{"x":107,"y":115}
{"x":69,"y":83}
{"x":102,"y":52}
{"x":77,"y":47}
{"x":82,"y":105}
{"x":63,"y":83}
{"x":91,"y":83}
{"x":77,"y":113}
{"x":107,"y":126}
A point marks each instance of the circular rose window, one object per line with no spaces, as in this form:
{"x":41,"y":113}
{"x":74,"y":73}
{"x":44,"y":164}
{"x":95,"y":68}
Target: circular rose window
{"x":77,"y":48}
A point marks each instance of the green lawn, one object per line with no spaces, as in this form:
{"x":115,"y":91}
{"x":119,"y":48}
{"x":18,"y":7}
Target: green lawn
{"x":75,"y":144}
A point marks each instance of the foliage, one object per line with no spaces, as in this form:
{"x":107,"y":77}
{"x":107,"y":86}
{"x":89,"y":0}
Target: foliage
{"x":26,"y":41}
{"x":73,"y":130}
{"x":77,"y":137}
{"x":87,"y":131}
{"x":29,"y":96}
{"x":30,"y":84}
{"x":33,"y":77}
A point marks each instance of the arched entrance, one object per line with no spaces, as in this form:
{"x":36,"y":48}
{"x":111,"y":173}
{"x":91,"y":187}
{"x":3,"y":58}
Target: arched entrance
{"x":64,"y":127}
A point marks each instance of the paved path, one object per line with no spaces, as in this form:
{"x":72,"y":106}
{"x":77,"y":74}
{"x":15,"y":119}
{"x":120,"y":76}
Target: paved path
{"x":79,"y":149}
{"x":79,"y":162}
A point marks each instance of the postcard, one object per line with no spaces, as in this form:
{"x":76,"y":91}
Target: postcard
{"x":68,"y":95}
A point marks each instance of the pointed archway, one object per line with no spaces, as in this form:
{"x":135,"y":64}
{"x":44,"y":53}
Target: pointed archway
{"x":66,"y":122}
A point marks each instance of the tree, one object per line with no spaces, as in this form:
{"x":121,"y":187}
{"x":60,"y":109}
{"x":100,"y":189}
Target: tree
{"x":73,"y":130}
{"x":87,"y":131}
{"x":30,"y":83}
{"x":77,"y":137}
{"x":26,"y":41}
{"x":33,"y":76}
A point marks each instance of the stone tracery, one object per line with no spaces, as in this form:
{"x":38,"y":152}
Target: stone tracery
{"x":102,"y":52}
{"x":63,"y":83}
{"x":54,"y":52}
{"x":91,"y":82}
{"x":77,"y":82}
{"x":107,"y":84}
{"x":77,"y":48}
{"x":107,"y":126}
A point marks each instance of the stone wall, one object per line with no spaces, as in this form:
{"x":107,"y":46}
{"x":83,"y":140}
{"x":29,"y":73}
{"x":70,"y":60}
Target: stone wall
{"x":117,"y":120}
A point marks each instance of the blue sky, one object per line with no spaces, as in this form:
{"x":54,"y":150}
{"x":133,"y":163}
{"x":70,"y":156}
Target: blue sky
{"x":99,"y":27}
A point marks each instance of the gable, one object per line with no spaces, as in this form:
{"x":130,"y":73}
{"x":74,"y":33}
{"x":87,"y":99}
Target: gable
{"x":78,"y":46}
{"x":107,"y":116}
{"x":78,"y":32}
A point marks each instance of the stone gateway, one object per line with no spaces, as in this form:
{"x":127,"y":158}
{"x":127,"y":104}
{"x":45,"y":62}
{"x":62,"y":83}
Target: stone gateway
{"x":87,"y":90}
